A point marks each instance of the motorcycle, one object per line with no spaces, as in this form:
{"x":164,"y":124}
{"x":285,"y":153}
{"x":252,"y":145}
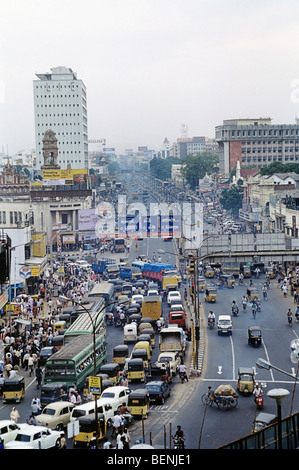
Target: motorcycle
{"x":258,"y":306}
{"x":290,"y":320}
{"x":259,"y":402}
{"x":211,"y":322}
{"x":178,"y":442}
{"x":183,"y":377}
{"x":265,"y":295}
{"x":117,"y":322}
{"x":244,"y":304}
{"x":235,"y":311}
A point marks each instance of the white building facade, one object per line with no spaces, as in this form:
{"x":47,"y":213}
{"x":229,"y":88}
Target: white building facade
{"x":60,"y":104}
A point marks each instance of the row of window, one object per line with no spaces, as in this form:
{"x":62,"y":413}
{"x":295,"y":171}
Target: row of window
{"x":15,"y":217}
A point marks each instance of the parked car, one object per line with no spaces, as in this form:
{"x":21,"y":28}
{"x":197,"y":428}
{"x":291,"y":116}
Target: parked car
{"x":172,"y":357}
{"x":45,"y":353}
{"x":36,"y":437}
{"x":55,"y":415}
{"x":158,"y":391}
{"x":9,"y":429}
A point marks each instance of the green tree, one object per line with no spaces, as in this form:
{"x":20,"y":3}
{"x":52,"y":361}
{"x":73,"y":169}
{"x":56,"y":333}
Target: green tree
{"x":195,"y":167}
{"x":231,"y":199}
{"x":161,"y":167}
{"x":279,"y":167}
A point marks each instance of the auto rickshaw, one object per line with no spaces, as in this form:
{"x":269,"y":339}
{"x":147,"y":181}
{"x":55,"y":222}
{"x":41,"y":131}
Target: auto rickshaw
{"x":252,"y":293}
{"x":211,"y":294}
{"x":247,"y":271}
{"x":130,"y":332}
{"x":202,"y":283}
{"x":13,"y":389}
{"x":135,"y":370}
{"x":209,"y":272}
{"x":120,"y":354}
{"x":59,"y":325}
{"x":227,"y":280}
{"x":254,"y":335}
{"x":112,"y":370}
{"x":151,"y":333}
{"x":142,"y":354}
{"x":270,"y":271}
{"x":246,"y":380}
{"x":144,"y":326}
{"x":90,"y":429}
{"x":139,"y":402}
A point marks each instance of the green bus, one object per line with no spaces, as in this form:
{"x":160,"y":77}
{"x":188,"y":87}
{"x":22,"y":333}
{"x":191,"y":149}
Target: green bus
{"x":86,"y":322}
{"x":75,"y":361}
{"x":105,"y":290}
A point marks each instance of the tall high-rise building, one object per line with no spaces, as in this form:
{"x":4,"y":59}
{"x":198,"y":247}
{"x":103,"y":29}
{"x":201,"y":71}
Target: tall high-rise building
{"x":256,"y":142}
{"x":60,"y":106}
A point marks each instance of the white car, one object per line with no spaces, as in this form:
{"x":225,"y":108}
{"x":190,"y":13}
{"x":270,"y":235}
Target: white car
{"x":9,"y":429}
{"x":137,"y":298}
{"x":115,"y":396}
{"x":37,"y":437}
{"x":82,"y":264}
{"x":174,"y":295}
{"x":172,"y":357}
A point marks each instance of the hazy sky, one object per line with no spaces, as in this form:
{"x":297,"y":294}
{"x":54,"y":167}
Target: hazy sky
{"x":151,"y":65}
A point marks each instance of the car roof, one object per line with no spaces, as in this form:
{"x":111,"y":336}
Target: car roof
{"x":116,"y":388}
{"x":33,"y":429}
{"x":59,"y":404}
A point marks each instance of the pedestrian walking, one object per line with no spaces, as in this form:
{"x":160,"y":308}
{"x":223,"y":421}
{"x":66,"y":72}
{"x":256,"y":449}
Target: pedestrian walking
{"x":14,"y":415}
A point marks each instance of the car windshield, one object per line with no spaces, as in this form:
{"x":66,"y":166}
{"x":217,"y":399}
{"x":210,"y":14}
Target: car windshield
{"x":224,"y":322}
{"x":22,"y":438}
{"x":165,"y":359}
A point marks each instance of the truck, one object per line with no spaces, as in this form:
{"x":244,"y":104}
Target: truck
{"x":177,"y":317}
{"x":170,"y":281}
{"x":101,"y":265}
{"x":172,"y":338}
{"x":152,"y":307}
{"x":155,"y":271}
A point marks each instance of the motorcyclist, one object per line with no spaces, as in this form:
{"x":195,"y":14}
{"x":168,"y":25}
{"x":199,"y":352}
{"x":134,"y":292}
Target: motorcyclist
{"x":257,"y":392}
{"x":290,"y":316}
{"x":182,"y":372}
{"x":235,"y":308}
{"x":264,"y":290}
{"x":253,"y":307}
{"x":180,"y":437}
{"x":211,"y":317}
{"x":241,"y":278}
{"x":244,"y":302}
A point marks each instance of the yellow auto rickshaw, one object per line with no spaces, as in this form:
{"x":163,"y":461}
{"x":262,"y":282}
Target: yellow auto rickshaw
{"x":211,"y":294}
{"x":227,"y":280}
{"x":135,"y":369}
{"x":59,"y":325}
{"x":246,"y":271}
{"x":13,"y":389}
{"x":151,"y":333}
{"x":202,"y":283}
{"x":144,"y":345}
{"x":112,"y":370}
{"x":139,"y":402}
{"x":209,"y":272}
{"x":142,"y":354}
{"x":246,"y":380}
{"x":252,"y":293}
{"x":120,"y":354}
{"x":90,"y":429}
{"x":270,"y":271}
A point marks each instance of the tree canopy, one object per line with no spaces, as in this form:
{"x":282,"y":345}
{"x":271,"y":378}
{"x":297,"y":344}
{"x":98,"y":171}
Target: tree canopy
{"x":161,"y":167}
{"x":231,"y":199}
{"x":279,"y":167}
{"x":195,"y":167}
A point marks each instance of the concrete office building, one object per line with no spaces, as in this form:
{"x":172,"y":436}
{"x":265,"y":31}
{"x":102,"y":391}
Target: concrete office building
{"x":256,"y":142}
{"x":60,"y":105}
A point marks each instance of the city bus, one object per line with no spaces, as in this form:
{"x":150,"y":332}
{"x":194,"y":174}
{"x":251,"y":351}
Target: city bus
{"x":87,"y":321}
{"x":75,"y":361}
{"x":105,"y":290}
